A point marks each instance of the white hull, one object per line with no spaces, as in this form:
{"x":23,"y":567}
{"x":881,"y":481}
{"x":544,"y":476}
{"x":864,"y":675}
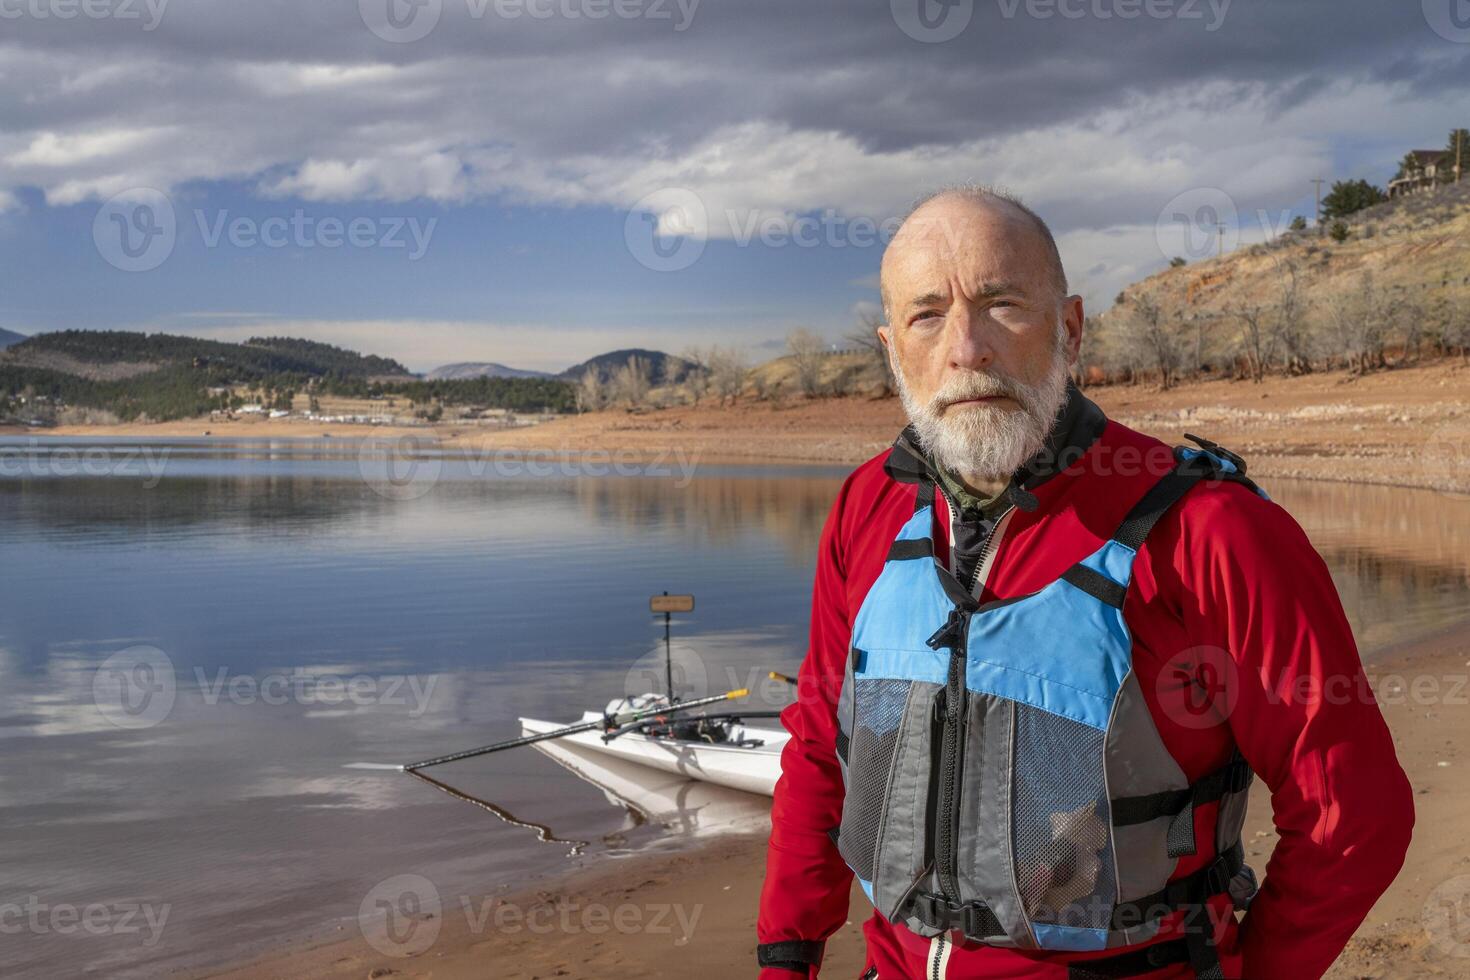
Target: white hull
{"x":752,"y":769}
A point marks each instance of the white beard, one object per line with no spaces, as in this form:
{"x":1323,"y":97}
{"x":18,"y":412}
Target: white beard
{"x":985,"y":441}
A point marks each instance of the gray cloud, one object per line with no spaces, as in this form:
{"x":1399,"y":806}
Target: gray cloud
{"x":761,"y":106}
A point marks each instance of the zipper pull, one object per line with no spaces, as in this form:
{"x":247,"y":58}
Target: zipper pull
{"x":949,"y":634}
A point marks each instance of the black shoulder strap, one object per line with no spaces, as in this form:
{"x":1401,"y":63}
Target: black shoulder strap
{"x":1160,"y":497}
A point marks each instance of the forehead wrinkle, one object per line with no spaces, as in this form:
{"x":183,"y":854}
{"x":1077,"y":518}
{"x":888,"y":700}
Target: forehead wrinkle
{"x":987,"y":289}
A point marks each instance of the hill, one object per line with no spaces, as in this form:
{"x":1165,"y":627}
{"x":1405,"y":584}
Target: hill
{"x":115,"y":354}
{"x":163,"y":376}
{"x":9,"y":337}
{"x":479,"y":369}
{"x":1398,"y":284}
{"x":663,"y":368}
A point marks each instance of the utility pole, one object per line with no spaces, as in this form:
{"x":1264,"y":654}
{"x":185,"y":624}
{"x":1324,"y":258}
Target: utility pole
{"x":1319,"y":182}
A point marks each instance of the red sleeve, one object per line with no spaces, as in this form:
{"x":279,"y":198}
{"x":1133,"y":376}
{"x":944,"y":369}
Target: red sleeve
{"x":1306,"y":720}
{"x":807,"y":883}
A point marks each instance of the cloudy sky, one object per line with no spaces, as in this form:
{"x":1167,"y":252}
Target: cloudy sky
{"x":535,"y":181}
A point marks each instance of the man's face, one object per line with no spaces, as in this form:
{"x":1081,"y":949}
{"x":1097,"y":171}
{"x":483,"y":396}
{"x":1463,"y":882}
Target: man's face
{"x":978,"y":334}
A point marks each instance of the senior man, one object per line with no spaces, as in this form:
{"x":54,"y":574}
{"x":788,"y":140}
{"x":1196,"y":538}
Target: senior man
{"x":1048,"y":653}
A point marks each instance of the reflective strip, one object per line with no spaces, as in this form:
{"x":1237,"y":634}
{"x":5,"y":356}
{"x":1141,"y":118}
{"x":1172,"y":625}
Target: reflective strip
{"x":940,"y":949}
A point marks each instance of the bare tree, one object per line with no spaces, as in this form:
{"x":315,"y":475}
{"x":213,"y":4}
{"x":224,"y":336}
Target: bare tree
{"x":696,"y":379}
{"x":591,"y":393}
{"x":727,"y":371}
{"x":1355,"y":323}
{"x":1257,"y":340}
{"x":631,"y":382}
{"x":1149,"y":331}
{"x":865,"y":339}
{"x":1289,"y":327}
{"x":806,"y":353}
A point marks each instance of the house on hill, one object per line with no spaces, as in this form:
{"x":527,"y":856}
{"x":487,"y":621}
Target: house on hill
{"x":1419,"y":171}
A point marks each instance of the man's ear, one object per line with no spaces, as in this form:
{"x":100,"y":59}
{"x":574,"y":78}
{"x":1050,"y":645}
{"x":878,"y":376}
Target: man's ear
{"x":1075,"y":319}
{"x":885,"y":337}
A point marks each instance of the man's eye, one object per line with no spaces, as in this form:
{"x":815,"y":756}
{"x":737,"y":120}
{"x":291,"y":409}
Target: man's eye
{"x":928,"y":315}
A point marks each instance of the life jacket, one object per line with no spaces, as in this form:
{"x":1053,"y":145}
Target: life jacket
{"x":1004,"y":777}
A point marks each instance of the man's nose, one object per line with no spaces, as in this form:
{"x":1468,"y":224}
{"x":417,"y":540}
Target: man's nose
{"x":969,"y":339}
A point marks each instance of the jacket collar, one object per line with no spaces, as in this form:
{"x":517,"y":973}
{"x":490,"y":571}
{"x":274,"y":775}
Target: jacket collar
{"x":1078,"y":426}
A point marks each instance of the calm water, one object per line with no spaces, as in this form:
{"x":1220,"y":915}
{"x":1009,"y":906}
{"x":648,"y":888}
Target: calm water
{"x":304,"y":611}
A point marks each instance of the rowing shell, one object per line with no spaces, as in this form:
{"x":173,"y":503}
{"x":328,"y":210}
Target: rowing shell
{"x":753,"y":768}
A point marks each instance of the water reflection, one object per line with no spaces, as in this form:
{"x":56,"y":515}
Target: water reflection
{"x":500,"y":596}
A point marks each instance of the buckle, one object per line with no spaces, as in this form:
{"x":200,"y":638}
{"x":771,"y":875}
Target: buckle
{"x":1217,"y":450}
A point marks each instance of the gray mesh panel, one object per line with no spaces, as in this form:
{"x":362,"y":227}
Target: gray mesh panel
{"x":879,"y":710}
{"x":1060,"y":822}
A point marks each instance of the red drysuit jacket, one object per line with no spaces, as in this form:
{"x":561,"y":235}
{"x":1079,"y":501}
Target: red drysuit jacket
{"x":1226,"y":579}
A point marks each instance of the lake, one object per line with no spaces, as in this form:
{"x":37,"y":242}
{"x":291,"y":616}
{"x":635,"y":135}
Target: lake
{"x":292,"y":606}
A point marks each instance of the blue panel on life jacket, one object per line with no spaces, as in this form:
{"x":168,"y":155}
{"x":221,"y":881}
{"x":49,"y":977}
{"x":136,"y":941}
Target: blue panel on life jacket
{"x":903,"y":609}
{"x":918,"y":527}
{"x":1060,"y":650}
{"x":1069,"y":937}
{"x":1114,"y":560}
{"x":1225,"y":464}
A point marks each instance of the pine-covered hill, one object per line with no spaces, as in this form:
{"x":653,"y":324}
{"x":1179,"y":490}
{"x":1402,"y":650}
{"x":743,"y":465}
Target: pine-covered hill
{"x":94,"y":350}
{"x":165,"y":376}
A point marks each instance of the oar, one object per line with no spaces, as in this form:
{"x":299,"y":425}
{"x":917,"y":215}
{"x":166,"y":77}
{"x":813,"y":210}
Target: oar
{"x":605,"y":722}
{"x":782,"y":677}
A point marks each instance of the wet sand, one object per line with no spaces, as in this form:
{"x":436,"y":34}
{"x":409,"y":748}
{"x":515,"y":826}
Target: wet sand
{"x":694,"y":911}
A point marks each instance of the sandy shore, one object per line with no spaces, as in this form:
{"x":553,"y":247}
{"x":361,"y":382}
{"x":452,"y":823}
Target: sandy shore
{"x":696,"y":909}
{"x":1407,"y":427}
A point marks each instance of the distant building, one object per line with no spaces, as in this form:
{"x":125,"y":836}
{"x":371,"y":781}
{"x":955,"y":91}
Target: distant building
{"x":1419,"y":171}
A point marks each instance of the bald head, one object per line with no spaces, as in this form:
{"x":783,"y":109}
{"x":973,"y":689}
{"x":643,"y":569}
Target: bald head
{"x":949,"y":222}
